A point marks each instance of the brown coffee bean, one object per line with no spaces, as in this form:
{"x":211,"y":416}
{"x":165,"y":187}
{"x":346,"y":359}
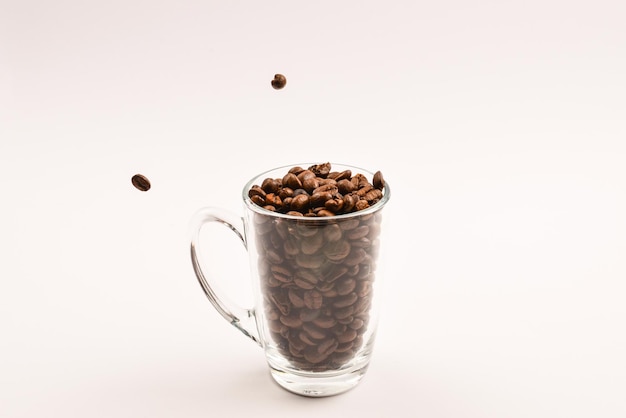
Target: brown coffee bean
{"x":281,"y":303}
{"x":275,"y":326}
{"x":338,"y":176}
{"x":313,"y":244}
{"x":313,"y":299}
{"x":347,"y":336}
{"x":334,"y":205}
{"x":344,"y":347}
{"x":291,"y":321}
{"x":314,"y":332}
{"x":336,"y":273}
{"x":325,"y":322}
{"x":310,"y":183}
{"x":332,"y":233}
{"x":256,"y":191}
{"x":303,"y":284}
{"x":337,"y":250}
{"x":291,"y":180}
{"x":282,"y":274}
{"x":359,"y":232}
{"x":306,"y":338}
{"x":328,"y":187}
{"x":349,"y":203}
{"x":327,"y":347}
{"x":279,"y":81}
{"x":308,"y":315}
{"x":141,"y":182}
{"x":343,"y":313}
{"x":319,"y":199}
{"x":294,"y":351}
{"x":321,"y":170}
{"x":361,"y":205}
{"x":312,"y":355}
{"x":309,"y":261}
{"x":345,"y":287}
{"x":300,"y":203}
{"x":356,"y":256}
{"x":258,"y":200}
{"x":270,"y":185}
{"x":357,"y":324}
{"x":378,"y":180}
{"x":345,"y":300}
{"x":295,"y":299}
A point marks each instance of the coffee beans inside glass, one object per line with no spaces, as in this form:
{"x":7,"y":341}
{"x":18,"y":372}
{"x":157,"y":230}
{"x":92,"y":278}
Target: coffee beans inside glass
{"x":313,"y":234}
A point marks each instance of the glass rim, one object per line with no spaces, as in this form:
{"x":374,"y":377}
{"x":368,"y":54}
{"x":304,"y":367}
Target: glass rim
{"x":356,"y":170}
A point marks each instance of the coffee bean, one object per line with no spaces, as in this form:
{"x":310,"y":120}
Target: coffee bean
{"x":279,"y":81}
{"x":378,"y":180}
{"x":313,"y":299}
{"x":141,"y":182}
{"x":327,"y":347}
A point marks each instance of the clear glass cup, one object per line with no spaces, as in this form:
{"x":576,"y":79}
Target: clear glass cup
{"x":314,"y":281}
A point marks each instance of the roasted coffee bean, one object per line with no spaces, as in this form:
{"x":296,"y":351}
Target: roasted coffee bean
{"x":361,"y":205}
{"x":141,"y":182}
{"x":313,"y":244}
{"x":344,"y":301}
{"x":326,"y":213}
{"x":345,"y":287}
{"x":337,"y":250}
{"x":312,"y":355}
{"x":296,"y":300}
{"x":279,"y":81}
{"x":334,"y":205}
{"x":307,"y":339}
{"x":310,"y":183}
{"x":327,"y":347}
{"x":291,"y":321}
{"x":357,"y":323}
{"x":310,"y":261}
{"x":321,"y":170}
{"x":319,"y":199}
{"x":270,"y":185}
{"x":291,"y":180}
{"x":300,"y":203}
{"x":378,"y":180}
{"x":358,"y":232}
{"x":332,"y":233}
{"x":308,"y":315}
{"x":325,"y":322}
{"x":315,"y":332}
{"x":313,"y":299}
{"x":343,"y":313}
{"x":256,"y":191}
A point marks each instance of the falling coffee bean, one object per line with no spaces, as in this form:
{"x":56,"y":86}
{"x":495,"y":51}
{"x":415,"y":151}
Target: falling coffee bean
{"x":141,"y":182}
{"x":279,"y":81}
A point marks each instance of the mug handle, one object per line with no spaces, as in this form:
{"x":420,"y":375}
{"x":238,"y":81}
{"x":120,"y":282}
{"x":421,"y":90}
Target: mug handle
{"x":242,"y":319}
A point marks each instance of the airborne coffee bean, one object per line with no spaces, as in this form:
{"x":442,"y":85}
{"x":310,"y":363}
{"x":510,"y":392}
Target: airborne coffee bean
{"x":279,"y":81}
{"x":141,"y":182}
{"x":317,"y":268}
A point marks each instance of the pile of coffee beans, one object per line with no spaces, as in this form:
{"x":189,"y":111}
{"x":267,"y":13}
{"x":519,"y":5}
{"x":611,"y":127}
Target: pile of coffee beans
{"x":318,"y":191}
{"x":317,"y":272}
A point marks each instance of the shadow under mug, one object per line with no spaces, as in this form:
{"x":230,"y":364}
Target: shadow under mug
{"x":314,"y":282}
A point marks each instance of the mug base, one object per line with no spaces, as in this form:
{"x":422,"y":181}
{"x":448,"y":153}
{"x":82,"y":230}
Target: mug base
{"x":317,"y":385}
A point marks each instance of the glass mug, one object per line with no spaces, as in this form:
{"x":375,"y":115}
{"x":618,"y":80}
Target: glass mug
{"x":314,"y":313}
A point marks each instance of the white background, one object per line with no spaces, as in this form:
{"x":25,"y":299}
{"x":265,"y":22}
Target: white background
{"x":500,"y":126}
